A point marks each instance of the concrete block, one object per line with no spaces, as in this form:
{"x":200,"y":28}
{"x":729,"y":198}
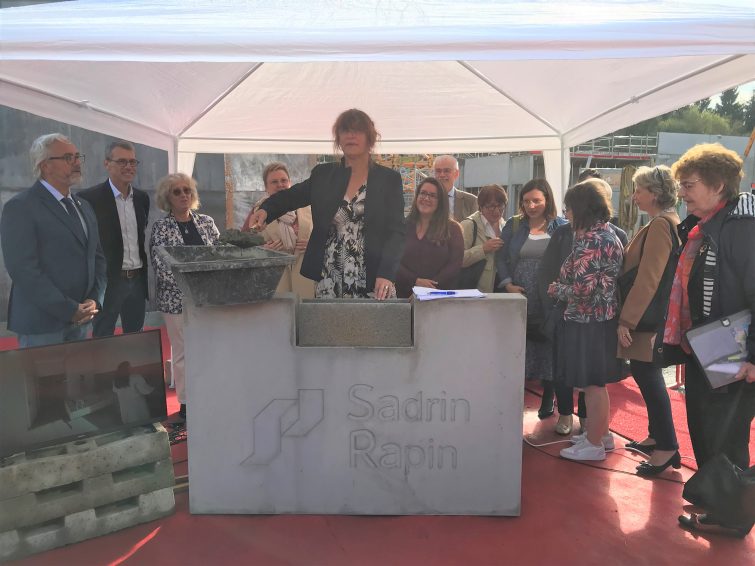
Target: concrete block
{"x":71,"y":462}
{"x":42,"y":506}
{"x":86,"y":524}
{"x":355,"y":323}
{"x":435,"y":428}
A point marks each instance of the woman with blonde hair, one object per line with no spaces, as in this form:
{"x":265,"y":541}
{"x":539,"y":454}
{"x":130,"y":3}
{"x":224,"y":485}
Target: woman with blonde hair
{"x":646,"y":258}
{"x":176,"y":194}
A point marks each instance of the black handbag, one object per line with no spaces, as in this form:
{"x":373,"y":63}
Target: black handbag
{"x":469,"y":277}
{"x":655,"y":313}
{"x":722,"y":488}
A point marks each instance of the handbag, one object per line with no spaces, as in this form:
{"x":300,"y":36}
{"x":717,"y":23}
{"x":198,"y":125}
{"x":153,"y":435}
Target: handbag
{"x":655,"y":313}
{"x":469,"y":277}
{"x":722,"y":488}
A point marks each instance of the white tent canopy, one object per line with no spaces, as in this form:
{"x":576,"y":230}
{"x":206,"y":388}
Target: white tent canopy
{"x":435,"y":75}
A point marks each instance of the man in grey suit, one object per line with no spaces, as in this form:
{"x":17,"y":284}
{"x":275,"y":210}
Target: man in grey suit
{"x":52,"y":250}
{"x":446,"y":170}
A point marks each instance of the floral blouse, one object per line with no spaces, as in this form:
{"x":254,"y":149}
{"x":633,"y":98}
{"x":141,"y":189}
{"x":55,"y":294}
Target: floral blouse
{"x":165,"y":232}
{"x":587,"y":281}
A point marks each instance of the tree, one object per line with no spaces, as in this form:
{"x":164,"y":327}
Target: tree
{"x":703,"y":104}
{"x":690,"y":120}
{"x":749,"y":114}
{"x":729,"y":107}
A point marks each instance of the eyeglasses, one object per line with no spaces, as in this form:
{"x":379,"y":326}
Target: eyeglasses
{"x":70,"y":158}
{"x":429,"y":196}
{"x":493,"y":206}
{"x":687,"y":185}
{"x":444,"y":171}
{"x":178,"y":191}
{"x":125,"y":162}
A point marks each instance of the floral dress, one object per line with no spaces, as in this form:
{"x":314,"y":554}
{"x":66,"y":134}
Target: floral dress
{"x":585,"y":345}
{"x":344,"y":272}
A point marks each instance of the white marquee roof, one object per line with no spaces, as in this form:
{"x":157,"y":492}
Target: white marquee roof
{"x":435,"y":75}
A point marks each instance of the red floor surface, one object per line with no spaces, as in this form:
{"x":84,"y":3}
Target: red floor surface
{"x":571,"y":514}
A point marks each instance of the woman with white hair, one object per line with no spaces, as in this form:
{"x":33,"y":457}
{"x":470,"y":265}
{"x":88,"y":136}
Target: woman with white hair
{"x":177,"y":195}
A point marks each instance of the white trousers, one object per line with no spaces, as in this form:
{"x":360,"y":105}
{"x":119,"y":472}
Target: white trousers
{"x":174,"y":323}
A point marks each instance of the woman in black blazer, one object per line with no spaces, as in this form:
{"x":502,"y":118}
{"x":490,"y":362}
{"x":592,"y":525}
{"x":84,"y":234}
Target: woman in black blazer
{"x":357,"y":215}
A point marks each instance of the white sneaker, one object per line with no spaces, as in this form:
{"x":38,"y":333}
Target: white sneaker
{"x":584,"y":451}
{"x":608,"y":441}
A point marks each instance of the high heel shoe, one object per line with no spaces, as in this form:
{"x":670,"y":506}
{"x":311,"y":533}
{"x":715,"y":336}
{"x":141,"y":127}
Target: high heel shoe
{"x":644,"y":448}
{"x":647,"y":469}
{"x":564,"y":425}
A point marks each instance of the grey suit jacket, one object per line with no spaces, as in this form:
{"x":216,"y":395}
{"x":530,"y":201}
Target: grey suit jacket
{"x":465,"y":204}
{"x":51,"y":267}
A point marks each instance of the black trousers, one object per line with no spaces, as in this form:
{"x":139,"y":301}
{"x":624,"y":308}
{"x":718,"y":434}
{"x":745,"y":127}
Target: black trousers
{"x":707,"y":413}
{"x":660,"y":423}
{"x":124,"y":298}
{"x":565,"y":400}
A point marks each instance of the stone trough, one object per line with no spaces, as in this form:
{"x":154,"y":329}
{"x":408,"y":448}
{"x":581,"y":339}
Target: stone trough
{"x":226,"y":275}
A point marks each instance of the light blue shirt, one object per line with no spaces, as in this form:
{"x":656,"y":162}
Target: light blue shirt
{"x":59,"y":197}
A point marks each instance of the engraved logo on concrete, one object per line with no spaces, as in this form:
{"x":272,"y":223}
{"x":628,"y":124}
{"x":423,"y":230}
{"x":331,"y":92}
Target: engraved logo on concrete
{"x":284,"y":417}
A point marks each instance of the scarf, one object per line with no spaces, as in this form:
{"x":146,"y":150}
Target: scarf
{"x":679,"y":319}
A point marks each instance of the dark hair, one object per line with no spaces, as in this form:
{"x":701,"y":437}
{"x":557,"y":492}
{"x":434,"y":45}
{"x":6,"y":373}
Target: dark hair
{"x":438,"y":231}
{"x":492,"y":193}
{"x":589,"y":173}
{"x":123,"y":144}
{"x":544,"y":187}
{"x":272,"y":167}
{"x":122,"y":375}
{"x":588,"y":204}
{"x":714,"y":164}
{"x":358,"y":121}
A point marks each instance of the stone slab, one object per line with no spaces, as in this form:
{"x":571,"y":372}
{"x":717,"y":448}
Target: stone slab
{"x":435,"y":428}
{"x":348,"y":323}
{"x":67,"y":463}
{"x":87,"y":524}
{"x":42,"y":506}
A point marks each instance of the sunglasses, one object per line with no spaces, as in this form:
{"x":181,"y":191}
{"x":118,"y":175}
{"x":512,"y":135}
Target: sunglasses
{"x":181,"y":190}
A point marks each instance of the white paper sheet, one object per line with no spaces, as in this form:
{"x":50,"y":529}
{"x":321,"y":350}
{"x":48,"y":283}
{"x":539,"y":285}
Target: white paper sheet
{"x":430,"y":294}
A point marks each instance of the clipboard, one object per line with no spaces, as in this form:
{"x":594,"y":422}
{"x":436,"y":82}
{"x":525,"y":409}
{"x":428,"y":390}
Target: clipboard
{"x":720,"y":347}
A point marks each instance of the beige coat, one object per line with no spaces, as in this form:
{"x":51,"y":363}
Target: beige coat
{"x":651,"y":263}
{"x":292,"y":279}
{"x":473,"y":251}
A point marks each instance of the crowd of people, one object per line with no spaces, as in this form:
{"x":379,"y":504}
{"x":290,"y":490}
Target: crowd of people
{"x":593,"y":299}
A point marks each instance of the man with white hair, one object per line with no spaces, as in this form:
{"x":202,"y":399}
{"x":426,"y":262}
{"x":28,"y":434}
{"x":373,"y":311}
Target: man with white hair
{"x":461,"y":204}
{"x":51,"y":249}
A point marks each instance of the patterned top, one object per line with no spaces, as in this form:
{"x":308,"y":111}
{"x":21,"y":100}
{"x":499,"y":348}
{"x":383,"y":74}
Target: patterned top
{"x":344,"y":272}
{"x":165,"y":232}
{"x":587,"y":281}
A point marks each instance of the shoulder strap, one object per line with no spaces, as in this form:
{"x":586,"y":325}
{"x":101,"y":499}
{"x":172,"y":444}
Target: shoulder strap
{"x":474,"y":230}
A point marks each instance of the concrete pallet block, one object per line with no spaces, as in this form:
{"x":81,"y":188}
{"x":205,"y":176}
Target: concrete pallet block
{"x":42,"y":506}
{"x":64,"y":464}
{"x":86,"y":524}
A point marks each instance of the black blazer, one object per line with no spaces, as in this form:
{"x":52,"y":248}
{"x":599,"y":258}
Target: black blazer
{"x":384,"y":231}
{"x":103,"y":202}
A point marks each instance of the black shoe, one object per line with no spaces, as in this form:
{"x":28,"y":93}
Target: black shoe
{"x":546,"y":408}
{"x":636,"y":446}
{"x":182,"y":411}
{"x":704,"y":524}
{"x":647,"y":469}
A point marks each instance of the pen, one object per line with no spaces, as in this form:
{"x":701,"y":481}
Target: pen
{"x":442,"y":293}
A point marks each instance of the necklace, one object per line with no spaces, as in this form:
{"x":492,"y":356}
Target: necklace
{"x":184,"y":226}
